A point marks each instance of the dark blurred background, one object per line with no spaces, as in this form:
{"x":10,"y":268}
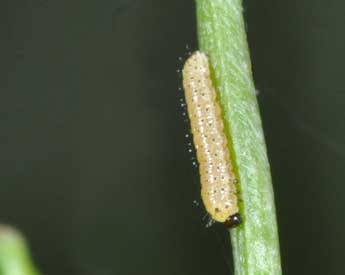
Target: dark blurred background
{"x":94,"y":163}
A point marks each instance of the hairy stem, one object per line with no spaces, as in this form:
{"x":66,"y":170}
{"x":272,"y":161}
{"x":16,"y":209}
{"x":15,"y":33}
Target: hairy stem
{"x":221,"y":35}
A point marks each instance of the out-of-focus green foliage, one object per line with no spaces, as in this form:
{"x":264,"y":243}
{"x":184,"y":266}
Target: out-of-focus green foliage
{"x":14,"y":255}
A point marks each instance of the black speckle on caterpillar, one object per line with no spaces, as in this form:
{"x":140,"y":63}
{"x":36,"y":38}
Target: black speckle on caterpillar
{"x":218,"y":181}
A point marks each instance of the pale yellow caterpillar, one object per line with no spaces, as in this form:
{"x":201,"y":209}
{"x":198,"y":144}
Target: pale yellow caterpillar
{"x":218,"y":181}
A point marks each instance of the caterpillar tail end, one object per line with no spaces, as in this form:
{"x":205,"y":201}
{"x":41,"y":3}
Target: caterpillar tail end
{"x":233,"y":221}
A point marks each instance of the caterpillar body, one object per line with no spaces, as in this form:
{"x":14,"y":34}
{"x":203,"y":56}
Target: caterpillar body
{"x":218,"y":181}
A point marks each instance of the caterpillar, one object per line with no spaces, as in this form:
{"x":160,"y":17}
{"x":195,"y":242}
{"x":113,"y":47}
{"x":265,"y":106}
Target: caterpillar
{"x":218,"y":181}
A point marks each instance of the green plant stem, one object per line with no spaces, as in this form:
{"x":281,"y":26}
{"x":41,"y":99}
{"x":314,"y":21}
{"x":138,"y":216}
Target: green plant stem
{"x":221,"y":35}
{"x":14,"y":256}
